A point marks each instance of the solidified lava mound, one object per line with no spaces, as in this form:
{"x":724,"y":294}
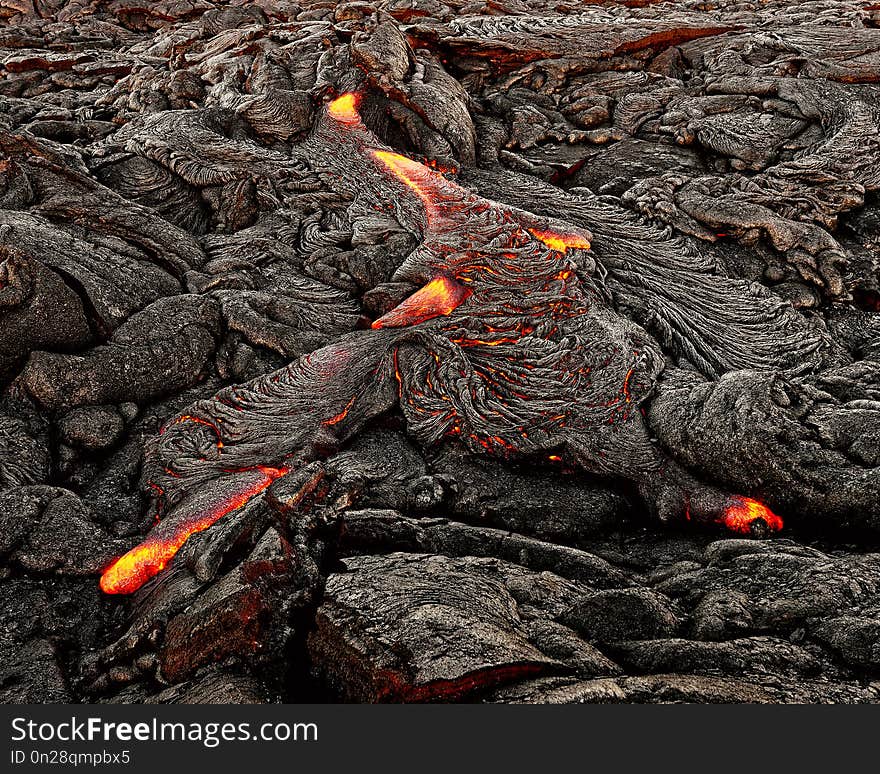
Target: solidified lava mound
{"x":411,"y":350}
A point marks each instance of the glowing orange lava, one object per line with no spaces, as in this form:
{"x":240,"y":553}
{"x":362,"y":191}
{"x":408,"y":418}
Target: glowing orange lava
{"x":410,"y":172}
{"x":740,"y":516}
{"x":560,"y":242}
{"x":335,"y":420}
{"x":128,"y":573}
{"x":441,"y":296}
{"x":344,"y":109}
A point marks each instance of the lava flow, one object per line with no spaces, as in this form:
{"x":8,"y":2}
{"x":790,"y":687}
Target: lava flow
{"x":745,"y":514}
{"x":416,"y":176}
{"x":521,"y":355}
{"x":560,"y":242}
{"x":128,"y":573}
{"x":344,"y":109}
{"x":441,"y":296}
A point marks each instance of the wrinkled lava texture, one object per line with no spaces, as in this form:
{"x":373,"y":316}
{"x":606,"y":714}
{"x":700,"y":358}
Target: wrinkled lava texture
{"x":413,"y":350}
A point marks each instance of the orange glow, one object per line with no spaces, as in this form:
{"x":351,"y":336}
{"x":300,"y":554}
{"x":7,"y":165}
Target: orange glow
{"x":408,"y":171}
{"x":626,"y":393}
{"x":483,"y":342}
{"x":740,"y":516}
{"x":560,"y":242}
{"x":441,"y":296}
{"x":435,"y":165}
{"x":344,"y":109}
{"x":128,"y":573}
{"x":341,"y":415}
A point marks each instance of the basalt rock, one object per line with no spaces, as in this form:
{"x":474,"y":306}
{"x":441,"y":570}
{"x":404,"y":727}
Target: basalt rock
{"x":428,"y":351}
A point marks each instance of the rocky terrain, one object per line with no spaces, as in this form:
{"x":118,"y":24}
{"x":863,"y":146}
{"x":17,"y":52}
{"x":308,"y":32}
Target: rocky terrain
{"x":421,"y":350}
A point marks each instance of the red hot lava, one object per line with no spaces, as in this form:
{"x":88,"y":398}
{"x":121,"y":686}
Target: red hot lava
{"x":441,"y":296}
{"x":745,"y":514}
{"x":577,"y":354}
{"x":128,"y":573}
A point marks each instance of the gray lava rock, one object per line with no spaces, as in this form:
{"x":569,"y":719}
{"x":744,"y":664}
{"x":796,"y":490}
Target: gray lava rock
{"x":94,"y":427}
{"x":856,"y":639}
{"x":720,"y":615}
{"x":412,"y":627}
{"x":156,"y":352}
{"x":179,"y":216}
{"x":49,"y":529}
{"x":24,"y":453}
{"x":608,"y":616}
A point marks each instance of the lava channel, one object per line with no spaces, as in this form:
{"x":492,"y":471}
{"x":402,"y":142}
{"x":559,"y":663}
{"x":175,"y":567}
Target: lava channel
{"x":133,"y":569}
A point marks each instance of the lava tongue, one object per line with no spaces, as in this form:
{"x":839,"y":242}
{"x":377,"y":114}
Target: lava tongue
{"x":441,"y":296}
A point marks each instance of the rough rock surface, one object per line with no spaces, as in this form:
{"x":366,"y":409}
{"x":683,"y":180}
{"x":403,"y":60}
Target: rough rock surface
{"x":193,"y":247}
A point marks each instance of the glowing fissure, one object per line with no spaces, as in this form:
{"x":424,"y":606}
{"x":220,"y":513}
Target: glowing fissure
{"x":335,"y":420}
{"x":128,"y":573}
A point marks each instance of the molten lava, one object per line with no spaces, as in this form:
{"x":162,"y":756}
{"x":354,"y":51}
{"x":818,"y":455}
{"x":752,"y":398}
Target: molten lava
{"x":335,"y":420}
{"x":344,"y":109}
{"x":745,"y":514}
{"x":539,"y":360}
{"x":560,"y":242}
{"x":416,"y":176}
{"x":128,"y":573}
{"x":441,"y":296}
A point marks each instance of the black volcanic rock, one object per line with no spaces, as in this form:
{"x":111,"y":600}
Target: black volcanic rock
{"x":631,"y":614}
{"x":94,"y":427}
{"x":520,"y":499}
